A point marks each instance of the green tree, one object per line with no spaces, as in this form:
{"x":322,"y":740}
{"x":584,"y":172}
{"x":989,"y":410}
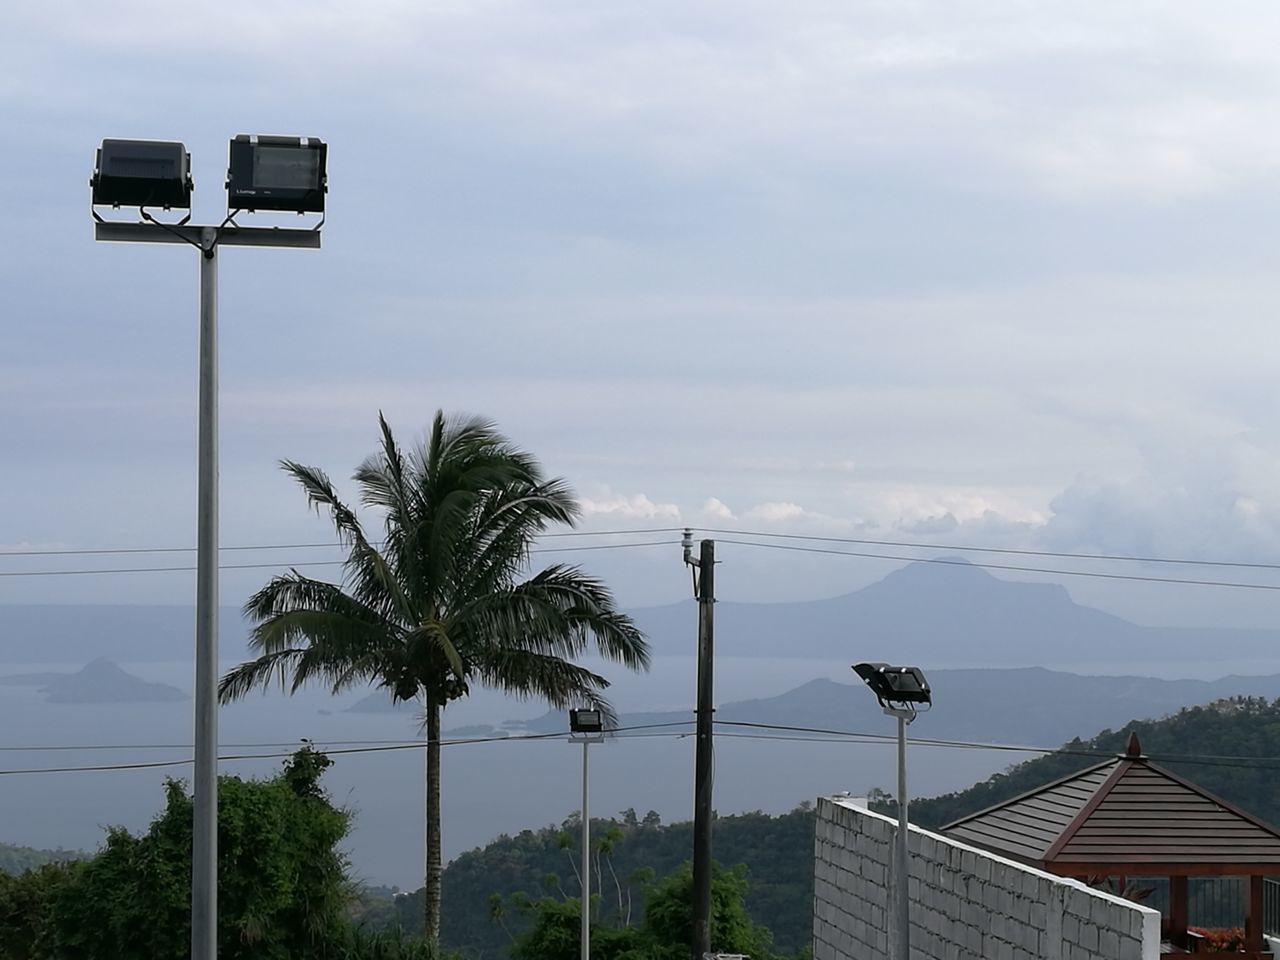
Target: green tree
{"x":26,"y":907}
{"x":665,"y":934}
{"x":282,"y":889}
{"x":441,"y":605}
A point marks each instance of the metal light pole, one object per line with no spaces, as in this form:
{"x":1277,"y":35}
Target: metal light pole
{"x":204,"y":853}
{"x":586,"y":855}
{"x":901,"y":869}
{"x":153,"y":173}
{"x":586,"y":725}
{"x":902,"y":693}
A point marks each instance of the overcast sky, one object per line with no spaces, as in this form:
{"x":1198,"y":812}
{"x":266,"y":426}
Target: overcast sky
{"x":981,"y":273}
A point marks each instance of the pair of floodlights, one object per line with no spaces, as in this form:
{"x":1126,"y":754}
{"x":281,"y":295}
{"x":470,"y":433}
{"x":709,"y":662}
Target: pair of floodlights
{"x":264,"y":173}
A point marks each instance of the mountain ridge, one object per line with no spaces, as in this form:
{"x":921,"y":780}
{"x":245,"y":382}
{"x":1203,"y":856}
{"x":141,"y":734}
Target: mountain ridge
{"x":923,"y":612}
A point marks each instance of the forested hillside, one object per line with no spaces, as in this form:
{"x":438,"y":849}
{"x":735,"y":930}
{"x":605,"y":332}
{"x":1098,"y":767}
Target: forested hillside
{"x":16,"y":860}
{"x":1231,"y":748}
{"x":776,"y":851}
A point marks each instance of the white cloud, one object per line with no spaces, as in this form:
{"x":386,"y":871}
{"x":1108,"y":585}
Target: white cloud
{"x":634,"y":506}
{"x":714,"y":509}
{"x":775,"y":512}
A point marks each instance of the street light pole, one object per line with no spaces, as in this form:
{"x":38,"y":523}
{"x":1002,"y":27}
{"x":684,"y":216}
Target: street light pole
{"x":902,"y":693}
{"x":586,"y":858}
{"x":204,"y":853}
{"x":266,"y":173}
{"x":586,"y":725}
{"x":204,"y":861}
{"x":902,"y":870}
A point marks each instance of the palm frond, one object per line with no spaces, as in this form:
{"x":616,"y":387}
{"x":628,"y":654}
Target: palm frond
{"x":524,"y":674}
{"x":239,"y":681}
{"x":320,"y":493}
{"x":316,"y":604}
{"x":385,"y":485}
{"x":370,"y":573}
{"x":558,"y":611}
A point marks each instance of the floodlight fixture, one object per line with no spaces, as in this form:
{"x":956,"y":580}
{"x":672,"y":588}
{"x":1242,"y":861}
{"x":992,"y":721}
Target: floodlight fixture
{"x":902,"y":691}
{"x":895,"y":685}
{"x":586,"y":721}
{"x":269,"y":173}
{"x":142,"y":173}
{"x":277,"y":173}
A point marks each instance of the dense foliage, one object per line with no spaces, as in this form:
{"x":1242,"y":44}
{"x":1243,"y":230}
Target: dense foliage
{"x":665,"y":933}
{"x":627,"y":853}
{"x":282,"y":890}
{"x":445,"y":600}
{"x":1239,"y":727}
{"x":778,"y":850}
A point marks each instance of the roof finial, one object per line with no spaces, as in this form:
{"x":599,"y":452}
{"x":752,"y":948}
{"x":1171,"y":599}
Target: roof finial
{"x":1134,"y":750}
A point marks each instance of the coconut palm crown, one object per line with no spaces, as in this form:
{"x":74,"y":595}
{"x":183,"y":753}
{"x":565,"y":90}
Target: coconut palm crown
{"x":446,"y":599}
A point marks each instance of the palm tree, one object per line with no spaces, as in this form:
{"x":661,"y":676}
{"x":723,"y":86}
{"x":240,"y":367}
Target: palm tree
{"x":445,"y":600}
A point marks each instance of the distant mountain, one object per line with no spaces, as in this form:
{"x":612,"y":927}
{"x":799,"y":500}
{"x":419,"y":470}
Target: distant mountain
{"x":99,"y":681}
{"x":1028,"y":706}
{"x":16,"y":860}
{"x":957,"y":613}
{"x":922,"y":612}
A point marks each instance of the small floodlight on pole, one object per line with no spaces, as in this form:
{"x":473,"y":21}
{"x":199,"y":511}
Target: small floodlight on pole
{"x":902,"y":692}
{"x":587,"y":726}
{"x":157,"y":174}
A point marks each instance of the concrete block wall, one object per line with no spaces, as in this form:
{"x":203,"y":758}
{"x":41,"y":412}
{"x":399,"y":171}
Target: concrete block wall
{"x":966,"y":904}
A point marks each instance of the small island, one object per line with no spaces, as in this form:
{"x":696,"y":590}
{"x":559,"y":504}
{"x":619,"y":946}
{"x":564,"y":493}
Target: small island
{"x":99,"y":681}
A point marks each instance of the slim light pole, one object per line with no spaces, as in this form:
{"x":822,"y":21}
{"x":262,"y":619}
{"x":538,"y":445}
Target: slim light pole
{"x":204,"y":853}
{"x":266,"y":173}
{"x":902,"y":692}
{"x":586,"y":726}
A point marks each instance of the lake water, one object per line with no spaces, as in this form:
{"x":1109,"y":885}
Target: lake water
{"x":489,"y":788}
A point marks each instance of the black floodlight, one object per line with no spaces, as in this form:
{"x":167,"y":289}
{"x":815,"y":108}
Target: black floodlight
{"x":277,"y":173}
{"x":142,"y":173}
{"x":895,"y":684}
{"x":586,"y":721}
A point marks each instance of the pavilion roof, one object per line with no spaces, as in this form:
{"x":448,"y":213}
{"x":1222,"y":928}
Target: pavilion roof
{"x":1125,"y":815}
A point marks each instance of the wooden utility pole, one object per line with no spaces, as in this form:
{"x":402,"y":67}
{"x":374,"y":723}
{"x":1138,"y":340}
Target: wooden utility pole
{"x":702,"y":764}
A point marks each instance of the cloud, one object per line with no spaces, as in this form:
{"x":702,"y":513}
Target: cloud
{"x":634,"y":506}
{"x":714,"y":509}
{"x":774,"y":512}
{"x":1220,"y":501}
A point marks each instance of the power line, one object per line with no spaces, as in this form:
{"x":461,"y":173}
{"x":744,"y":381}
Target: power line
{"x":816,"y":538}
{"x":342,"y":751}
{"x":768,"y":732}
{"x":1133,"y":577}
{"x":110,"y":551}
{"x":1127,"y":558}
{"x":304,"y":563}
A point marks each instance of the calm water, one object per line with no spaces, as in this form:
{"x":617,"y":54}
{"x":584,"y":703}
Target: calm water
{"x":489,"y":788}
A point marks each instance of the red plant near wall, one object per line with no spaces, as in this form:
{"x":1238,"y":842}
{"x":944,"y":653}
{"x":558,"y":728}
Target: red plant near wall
{"x":1221,"y":938}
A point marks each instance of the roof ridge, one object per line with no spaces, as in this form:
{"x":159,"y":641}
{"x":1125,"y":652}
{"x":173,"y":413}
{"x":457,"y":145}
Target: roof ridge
{"x":1123,"y":766}
{"x":1028,"y":794}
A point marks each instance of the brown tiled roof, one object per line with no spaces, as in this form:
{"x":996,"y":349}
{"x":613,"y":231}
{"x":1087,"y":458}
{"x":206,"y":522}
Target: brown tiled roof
{"x":1126,"y":812}
{"x":1026,"y":827}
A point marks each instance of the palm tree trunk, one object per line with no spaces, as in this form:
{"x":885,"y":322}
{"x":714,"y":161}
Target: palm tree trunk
{"x":431,"y":892}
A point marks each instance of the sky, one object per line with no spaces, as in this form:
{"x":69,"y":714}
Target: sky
{"x":981,"y":274}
